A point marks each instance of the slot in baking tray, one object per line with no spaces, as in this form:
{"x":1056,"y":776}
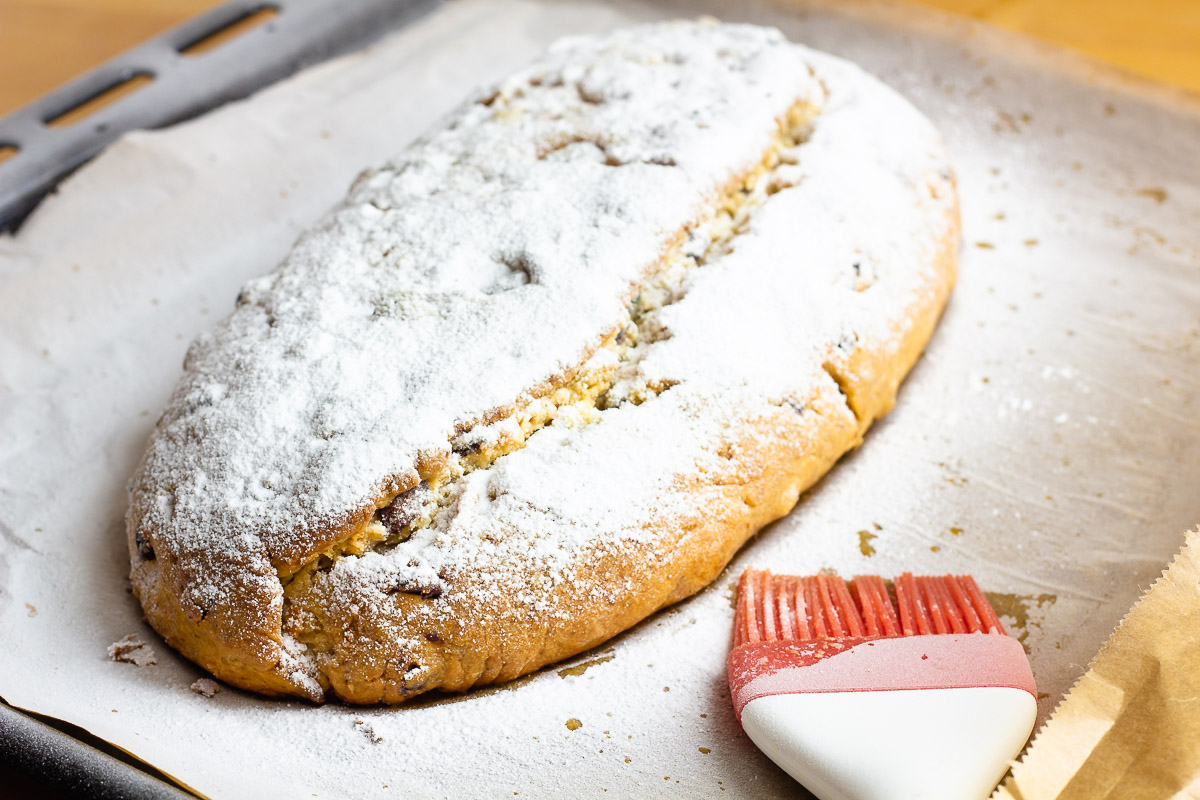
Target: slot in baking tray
{"x":177,"y":75}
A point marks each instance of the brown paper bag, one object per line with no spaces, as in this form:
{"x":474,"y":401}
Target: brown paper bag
{"x":1130,"y":727}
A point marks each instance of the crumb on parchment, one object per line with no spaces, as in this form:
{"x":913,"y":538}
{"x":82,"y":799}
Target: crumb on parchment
{"x":132,"y":650}
{"x":368,"y":731}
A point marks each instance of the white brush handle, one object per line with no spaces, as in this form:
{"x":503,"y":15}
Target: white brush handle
{"x":932,"y":744}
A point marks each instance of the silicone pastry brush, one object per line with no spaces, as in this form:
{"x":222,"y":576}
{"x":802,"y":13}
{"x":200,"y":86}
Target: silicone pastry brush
{"x":860,"y":697}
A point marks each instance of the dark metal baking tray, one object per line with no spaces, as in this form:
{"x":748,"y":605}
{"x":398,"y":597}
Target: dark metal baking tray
{"x":301,"y":33}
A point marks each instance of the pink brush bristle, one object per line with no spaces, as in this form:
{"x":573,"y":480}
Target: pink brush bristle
{"x":782,"y":608}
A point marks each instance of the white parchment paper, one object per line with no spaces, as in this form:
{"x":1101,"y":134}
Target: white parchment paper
{"x":1048,"y":443}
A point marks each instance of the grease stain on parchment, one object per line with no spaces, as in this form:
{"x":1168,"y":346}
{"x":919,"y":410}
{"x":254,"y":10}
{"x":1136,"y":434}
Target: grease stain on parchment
{"x":1155,"y":193}
{"x":1015,"y":611}
{"x":579,"y":669}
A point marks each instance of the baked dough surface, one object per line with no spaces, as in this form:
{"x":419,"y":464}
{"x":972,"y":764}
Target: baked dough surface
{"x":546,"y":371}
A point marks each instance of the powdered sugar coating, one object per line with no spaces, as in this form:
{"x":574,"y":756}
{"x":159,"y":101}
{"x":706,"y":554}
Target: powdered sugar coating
{"x":406,"y":312}
{"x":491,"y":257}
{"x":828,"y":265}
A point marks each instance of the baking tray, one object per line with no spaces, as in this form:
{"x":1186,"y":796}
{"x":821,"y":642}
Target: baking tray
{"x":69,"y":762}
{"x":1049,"y":441}
{"x":182,"y":85}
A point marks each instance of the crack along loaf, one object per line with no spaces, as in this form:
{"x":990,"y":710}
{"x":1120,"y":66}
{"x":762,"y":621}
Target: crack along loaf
{"x":547,"y":370}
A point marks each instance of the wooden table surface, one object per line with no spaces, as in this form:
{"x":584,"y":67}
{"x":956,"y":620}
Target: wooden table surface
{"x":44,"y":43}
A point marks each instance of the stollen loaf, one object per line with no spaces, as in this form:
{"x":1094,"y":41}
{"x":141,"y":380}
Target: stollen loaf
{"x":545,"y":371}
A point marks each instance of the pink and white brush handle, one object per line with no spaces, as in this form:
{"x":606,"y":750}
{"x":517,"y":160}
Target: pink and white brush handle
{"x":862,"y":699}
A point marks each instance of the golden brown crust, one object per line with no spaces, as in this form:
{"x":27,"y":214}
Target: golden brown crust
{"x":221,"y":639}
